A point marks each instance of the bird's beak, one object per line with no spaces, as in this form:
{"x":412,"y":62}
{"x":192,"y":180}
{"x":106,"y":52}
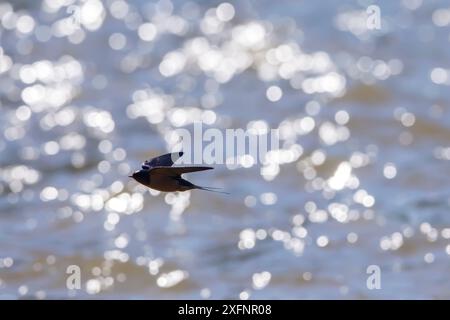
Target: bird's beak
{"x":130,"y":176}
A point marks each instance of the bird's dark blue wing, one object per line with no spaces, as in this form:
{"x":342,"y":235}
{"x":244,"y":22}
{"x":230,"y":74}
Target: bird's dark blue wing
{"x":165,"y":160}
{"x":177,"y":171}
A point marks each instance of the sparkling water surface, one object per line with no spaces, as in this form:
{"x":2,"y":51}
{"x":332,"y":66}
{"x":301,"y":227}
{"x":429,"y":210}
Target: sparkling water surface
{"x":89,"y":89}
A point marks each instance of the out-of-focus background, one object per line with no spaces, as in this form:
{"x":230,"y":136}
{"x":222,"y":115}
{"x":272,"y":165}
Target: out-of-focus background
{"x":89,"y":89}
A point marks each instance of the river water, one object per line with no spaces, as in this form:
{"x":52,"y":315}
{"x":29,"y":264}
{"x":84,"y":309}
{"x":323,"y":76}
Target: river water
{"x":360,"y":189}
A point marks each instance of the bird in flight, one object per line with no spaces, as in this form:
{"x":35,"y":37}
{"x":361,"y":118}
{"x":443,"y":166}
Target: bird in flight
{"x":159,"y":174}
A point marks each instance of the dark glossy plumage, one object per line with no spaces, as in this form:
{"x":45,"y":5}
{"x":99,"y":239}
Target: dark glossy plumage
{"x":159,"y":174}
{"x":166,"y":160}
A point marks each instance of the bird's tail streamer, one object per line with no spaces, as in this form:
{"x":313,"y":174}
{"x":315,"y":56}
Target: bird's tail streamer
{"x":212,"y":189}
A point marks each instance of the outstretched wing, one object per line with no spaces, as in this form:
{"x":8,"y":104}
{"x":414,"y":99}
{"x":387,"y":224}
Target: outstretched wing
{"x":177,"y":171}
{"x":165,"y":160}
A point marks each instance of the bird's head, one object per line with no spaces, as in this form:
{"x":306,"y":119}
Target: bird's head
{"x":141,"y":176}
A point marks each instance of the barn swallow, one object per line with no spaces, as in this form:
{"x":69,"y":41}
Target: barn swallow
{"x":159,"y":174}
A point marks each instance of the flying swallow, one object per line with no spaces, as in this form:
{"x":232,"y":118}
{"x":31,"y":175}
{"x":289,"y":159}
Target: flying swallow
{"x":159,"y":174}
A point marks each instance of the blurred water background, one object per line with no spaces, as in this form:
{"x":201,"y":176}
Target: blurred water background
{"x":89,"y":89}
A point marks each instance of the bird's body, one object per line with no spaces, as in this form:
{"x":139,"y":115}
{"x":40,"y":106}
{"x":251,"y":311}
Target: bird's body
{"x":159,"y":174}
{"x":162,"y":182}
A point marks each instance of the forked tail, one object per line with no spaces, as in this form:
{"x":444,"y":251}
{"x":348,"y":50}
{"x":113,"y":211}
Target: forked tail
{"x":211,"y":189}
